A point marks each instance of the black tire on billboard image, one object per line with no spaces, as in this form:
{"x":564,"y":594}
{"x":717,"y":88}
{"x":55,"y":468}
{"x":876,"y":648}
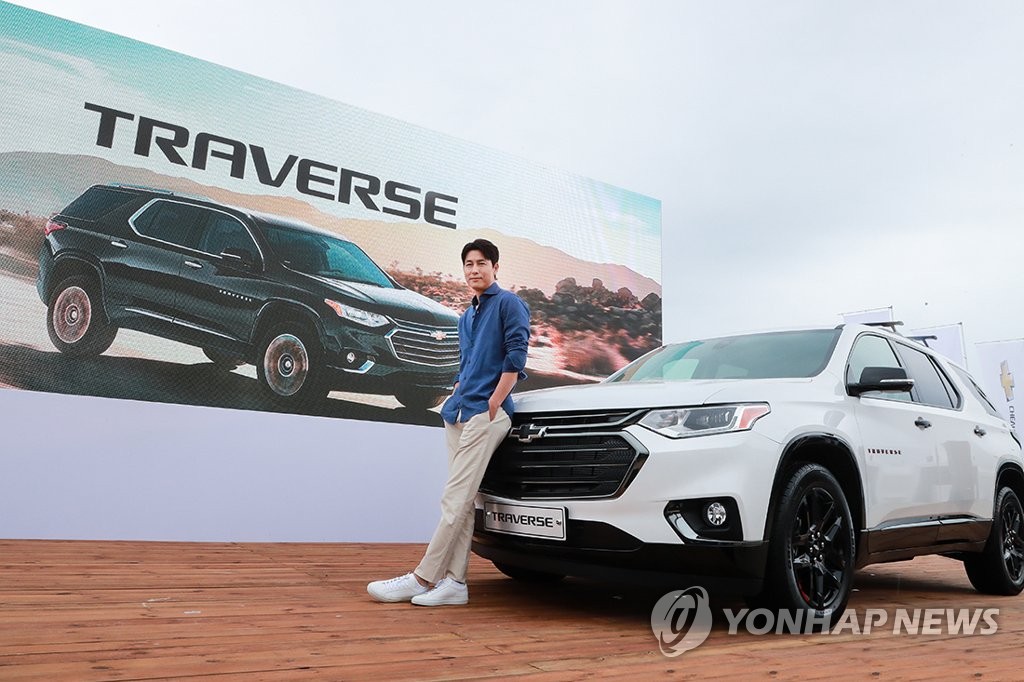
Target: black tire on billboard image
{"x":289,"y":365}
{"x":75,"y":319}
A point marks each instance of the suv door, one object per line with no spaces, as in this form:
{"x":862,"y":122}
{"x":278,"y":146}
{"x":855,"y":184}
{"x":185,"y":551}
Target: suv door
{"x":950,"y":481}
{"x":147,"y":275}
{"x":221,"y":295}
{"x":895,"y":451}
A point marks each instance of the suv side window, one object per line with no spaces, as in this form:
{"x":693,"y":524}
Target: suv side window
{"x":929,"y":389}
{"x":225,"y":232}
{"x":978,"y":393}
{"x":873,"y":351}
{"x":171,"y":222}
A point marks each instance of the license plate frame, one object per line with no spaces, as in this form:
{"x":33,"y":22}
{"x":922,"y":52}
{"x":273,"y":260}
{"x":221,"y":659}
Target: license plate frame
{"x":523,"y":520}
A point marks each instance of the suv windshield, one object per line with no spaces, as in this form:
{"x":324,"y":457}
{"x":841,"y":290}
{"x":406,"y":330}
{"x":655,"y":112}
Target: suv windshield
{"x":771,"y":355}
{"x":319,"y":254}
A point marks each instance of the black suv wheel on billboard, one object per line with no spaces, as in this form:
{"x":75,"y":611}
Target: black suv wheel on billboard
{"x":289,"y":365}
{"x":308,"y":307}
{"x":75,"y":319}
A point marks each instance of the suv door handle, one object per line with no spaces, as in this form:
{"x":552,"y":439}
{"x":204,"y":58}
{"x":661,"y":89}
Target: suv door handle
{"x":978,"y":431}
{"x":119,"y":244}
{"x":193,"y":264}
{"x":922,"y":423}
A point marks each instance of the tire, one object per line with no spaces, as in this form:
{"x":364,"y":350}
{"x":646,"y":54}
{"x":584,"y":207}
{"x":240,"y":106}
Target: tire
{"x":75,"y":318}
{"x":527,"y":575}
{"x":419,"y":399}
{"x":812,"y":547}
{"x":289,"y":365}
{"x":999,"y":568}
{"x":222,"y":360}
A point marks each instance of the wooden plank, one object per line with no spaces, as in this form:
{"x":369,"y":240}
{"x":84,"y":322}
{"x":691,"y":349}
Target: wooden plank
{"x":131,"y":610}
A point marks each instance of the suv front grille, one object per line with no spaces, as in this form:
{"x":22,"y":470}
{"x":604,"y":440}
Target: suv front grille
{"x":421,"y":345}
{"x":563,"y":465}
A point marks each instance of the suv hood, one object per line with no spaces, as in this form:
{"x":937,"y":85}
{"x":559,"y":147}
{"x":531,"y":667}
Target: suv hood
{"x":654,"y":394}
{"x":402,"y":304}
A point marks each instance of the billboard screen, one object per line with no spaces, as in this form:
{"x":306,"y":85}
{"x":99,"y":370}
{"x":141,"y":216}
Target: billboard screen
{"x":175,"y":231}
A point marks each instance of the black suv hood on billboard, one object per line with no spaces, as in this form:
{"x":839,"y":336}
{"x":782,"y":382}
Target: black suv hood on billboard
{"x":403,"y":303}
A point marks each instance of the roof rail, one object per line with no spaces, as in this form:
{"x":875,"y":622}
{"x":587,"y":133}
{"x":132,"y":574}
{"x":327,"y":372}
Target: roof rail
{"x":923,"y":339}
{"x":891,"y":325}
{"x":127,"y":185}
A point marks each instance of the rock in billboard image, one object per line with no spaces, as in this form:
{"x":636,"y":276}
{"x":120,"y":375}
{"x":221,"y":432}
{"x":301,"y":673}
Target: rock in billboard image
{"x":175,"y":231}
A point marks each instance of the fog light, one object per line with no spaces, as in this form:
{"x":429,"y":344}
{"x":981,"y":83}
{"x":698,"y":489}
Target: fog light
{"x":715,"y":513}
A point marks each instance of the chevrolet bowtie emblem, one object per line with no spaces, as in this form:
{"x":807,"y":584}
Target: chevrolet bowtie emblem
{"x":525,"y":433}
{"x":439,"y":335}
{"x":1006,"y":379}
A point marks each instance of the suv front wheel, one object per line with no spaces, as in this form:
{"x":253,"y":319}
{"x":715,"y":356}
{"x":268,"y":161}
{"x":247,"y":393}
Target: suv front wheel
{"x":812,"y":547}
{"x":289,"y":365}
{"x":75,"y":319}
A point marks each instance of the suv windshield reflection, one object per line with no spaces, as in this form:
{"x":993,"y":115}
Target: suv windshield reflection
{"x":319,"y":254}
{"x":774,"y":355}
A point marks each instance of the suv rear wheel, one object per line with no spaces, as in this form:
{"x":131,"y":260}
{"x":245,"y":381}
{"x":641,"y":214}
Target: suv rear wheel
{"x":812,"y":546}
{"x":289,"y":365}
{"x":75,"y":319}
{"x":999,"y":568}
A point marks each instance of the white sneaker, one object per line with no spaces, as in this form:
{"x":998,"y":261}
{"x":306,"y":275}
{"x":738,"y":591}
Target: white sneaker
{"x":447,"y":592}
{"x":402,"y":588}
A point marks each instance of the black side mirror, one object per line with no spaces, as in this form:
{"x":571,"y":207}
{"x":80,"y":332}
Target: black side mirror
{"x":239,"y":257}
{"x":892,"y":379}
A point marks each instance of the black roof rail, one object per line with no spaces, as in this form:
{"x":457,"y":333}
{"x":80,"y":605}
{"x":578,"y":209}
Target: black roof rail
{"x":127,"y":185}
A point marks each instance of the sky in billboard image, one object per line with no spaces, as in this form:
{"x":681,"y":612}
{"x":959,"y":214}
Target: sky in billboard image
{"x":85,"y":107}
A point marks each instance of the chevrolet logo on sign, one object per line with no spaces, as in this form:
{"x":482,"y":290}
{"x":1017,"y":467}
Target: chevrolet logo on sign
{"x":1006,"y":379}
{"x":525,"y":433}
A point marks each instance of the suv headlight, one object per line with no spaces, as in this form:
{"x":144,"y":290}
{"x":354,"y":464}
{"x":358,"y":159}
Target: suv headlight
{"x":684,"y":422}
{"x":357,"y":315}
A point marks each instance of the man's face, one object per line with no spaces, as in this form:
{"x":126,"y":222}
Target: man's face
{"x":479,"y":271}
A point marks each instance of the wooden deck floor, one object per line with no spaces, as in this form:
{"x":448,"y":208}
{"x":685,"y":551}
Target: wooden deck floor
{"x":118,"y":611}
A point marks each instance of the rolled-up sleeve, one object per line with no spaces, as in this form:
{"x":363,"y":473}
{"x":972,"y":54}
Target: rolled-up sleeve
{"x":516,"y":323}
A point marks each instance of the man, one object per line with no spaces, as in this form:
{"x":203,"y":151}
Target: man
{"x":493,"y":337}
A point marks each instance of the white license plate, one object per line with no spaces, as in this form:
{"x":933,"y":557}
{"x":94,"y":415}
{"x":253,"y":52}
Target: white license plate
{"x":519,"y":519}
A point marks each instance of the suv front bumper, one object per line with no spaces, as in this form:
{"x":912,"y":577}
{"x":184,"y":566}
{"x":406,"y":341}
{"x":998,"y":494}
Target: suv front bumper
{"x":601,"y":552}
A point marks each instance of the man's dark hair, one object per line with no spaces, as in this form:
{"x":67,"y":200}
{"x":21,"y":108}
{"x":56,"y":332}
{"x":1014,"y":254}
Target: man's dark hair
{"x":485,"y":247}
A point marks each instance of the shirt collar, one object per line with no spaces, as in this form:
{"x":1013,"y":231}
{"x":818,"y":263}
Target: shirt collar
{"x":489,"y":291}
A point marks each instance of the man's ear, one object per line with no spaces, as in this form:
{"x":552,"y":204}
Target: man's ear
{"x":495,"y":271}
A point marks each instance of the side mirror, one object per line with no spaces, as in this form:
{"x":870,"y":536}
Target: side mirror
{"x":893,"y":379}
{"x":239,"y":257}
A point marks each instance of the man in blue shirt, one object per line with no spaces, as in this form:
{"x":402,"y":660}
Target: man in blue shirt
{"x":493,"y":336}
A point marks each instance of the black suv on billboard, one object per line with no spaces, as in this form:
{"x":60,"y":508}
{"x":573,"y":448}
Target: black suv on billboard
{"x":310,"y":309}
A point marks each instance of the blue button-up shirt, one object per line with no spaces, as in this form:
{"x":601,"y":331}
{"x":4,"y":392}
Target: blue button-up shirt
{"x":493,"y":337}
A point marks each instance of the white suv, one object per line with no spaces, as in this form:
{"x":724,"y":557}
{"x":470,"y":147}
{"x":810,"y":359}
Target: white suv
{"x":770,"y":464}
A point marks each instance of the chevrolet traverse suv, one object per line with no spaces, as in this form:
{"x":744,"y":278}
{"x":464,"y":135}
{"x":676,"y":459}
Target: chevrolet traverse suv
{"x":769,"y":464}
{"x":310,"y":309}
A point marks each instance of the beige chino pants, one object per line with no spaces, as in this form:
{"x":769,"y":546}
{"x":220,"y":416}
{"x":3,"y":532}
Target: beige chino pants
{"x":470,"y":446}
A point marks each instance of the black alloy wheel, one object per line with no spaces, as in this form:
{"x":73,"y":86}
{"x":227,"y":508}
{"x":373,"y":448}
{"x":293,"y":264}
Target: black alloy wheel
{"x":812,"y":547}
{"x":999,"y":568}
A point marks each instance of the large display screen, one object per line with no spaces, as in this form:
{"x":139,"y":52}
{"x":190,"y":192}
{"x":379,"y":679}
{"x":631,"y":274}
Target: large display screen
{"x":176,"y":231}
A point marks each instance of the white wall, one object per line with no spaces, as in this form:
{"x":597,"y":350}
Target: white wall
{"x":76,"y":467}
